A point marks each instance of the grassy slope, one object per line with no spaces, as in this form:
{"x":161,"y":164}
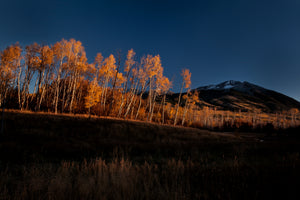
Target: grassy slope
{"x":30,"y":136}
{"x":181,"y":163}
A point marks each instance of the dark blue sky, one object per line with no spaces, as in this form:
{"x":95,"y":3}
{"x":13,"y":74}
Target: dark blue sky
{"x":246,"y":40}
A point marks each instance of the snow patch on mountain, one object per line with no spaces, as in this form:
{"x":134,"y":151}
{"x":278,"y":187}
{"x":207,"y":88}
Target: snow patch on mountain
{"x":222,"y":86}
{"x":228,"y":86}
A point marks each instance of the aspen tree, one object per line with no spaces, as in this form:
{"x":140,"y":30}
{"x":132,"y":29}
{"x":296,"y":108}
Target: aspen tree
{"x":129,"y":63}
{"x":166,"y":84}
{"x":32,"y":61}
{"x":60,"y":52}
{"x":93,"y":95}
{"x":79,"y":66}
{"x":152,"y":68}
{"x":147,"y":66}
{"x":17,"y":62}
{"x":67,"y":75}
{"x":81,"y":84}
{"x":134,"y":96}
{"x":115,"y":75}
{"x":194,"y":103}
{"x":98,"y":62}
{"x":118,"y":82}
{"x":107,"y":71}
{"x":132,"y":93}
{"x":46,"y":57}
{"x":189,"y":103}
{"x":91,"y":74}
{"x":186,"y":82}
{"x":7,"y":73}
{"x":9,"y":64}
{"x":142,"y":76}
{"x":186,"y":97}
{"x":157,"y":73}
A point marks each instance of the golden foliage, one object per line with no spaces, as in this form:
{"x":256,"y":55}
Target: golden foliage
{"x":186,"y":78}
{"x":165,"y":84}
{"x":129,"y":61}
{"x":108,"y":68}
{"x":120,"y":79}
{"x":93,"y":96}
{"x":9,"y":61}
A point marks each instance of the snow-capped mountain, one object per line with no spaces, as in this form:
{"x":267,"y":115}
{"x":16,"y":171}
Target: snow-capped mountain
{"x":245,"y":96}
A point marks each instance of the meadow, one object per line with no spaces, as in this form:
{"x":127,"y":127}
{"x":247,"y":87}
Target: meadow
{"x":47,"y":156}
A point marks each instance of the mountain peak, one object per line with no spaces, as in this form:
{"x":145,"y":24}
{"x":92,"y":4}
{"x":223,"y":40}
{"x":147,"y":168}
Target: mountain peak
{"x":224,"y":85}
{"x":231,"y":82}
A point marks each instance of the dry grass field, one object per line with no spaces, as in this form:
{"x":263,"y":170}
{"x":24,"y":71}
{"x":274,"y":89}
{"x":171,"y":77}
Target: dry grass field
{"x":44,"y":156}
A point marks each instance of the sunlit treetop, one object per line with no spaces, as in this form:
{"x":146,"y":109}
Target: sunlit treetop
{"x":130,"y":60}
{"x":186,"y":78}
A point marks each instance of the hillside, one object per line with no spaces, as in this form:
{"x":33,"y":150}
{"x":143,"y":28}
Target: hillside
{"x":76,"y":136}
{"x":245,"y":96}
{"x":73,"y":157}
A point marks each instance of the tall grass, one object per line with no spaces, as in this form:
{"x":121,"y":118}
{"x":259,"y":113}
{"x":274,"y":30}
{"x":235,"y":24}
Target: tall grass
{"x":123,"y":179}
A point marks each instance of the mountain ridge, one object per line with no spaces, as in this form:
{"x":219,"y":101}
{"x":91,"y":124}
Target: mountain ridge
{"x":245,"y":96}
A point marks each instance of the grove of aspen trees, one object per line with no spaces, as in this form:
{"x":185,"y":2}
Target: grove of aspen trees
{"x":59,"y":79}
